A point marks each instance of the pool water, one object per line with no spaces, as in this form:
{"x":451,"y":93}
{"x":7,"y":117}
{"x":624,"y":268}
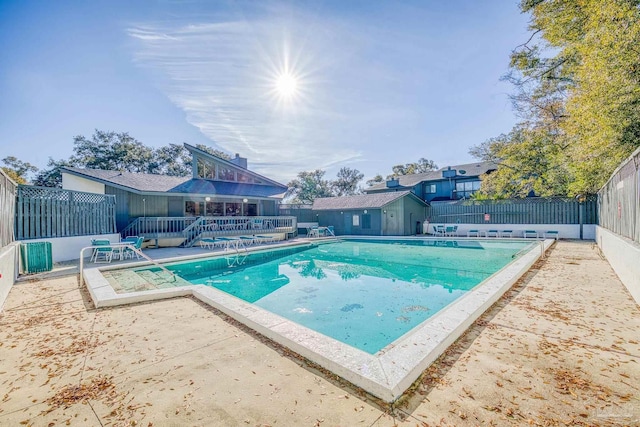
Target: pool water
{"x":366,"y":294}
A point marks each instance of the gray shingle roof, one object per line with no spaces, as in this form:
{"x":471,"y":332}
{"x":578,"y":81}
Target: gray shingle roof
{"x":360,"y":201}
{"x":151,"y":183}
{"x":471,"y":169}
{"x":142,"y":182}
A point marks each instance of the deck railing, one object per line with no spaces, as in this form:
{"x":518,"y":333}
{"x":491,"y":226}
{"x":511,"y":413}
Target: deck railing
{"x":158,"y":227}
{"x":192,"y":228}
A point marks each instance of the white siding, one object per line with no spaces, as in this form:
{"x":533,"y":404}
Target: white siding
{"x":76,"y":183}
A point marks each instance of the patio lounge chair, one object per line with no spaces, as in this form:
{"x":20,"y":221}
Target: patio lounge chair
{"x":530,"y":233}
{"x":248,"y":240}
{"x":552,"y":234}
{"x":505,"y":233}
{"x":264,"y":239}
{"x":438,"y":230}
{"x":476,"y":233}
{"x":492,"y":233}
{"x":207,"y":242}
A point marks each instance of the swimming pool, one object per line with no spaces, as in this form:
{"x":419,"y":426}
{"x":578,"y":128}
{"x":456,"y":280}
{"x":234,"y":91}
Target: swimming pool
{"x":387,"y":373}
{"x":364,"y":293}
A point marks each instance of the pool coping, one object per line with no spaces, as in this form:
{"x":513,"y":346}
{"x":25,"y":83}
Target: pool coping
{"x":386,"y":374}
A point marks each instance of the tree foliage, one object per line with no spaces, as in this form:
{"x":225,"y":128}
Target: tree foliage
{"x":18,"y":170}
{"x":120,"y":151}
{"x":309,"y":186}
{"x":346,"y":182}
{"x":421,"y":166}
{"x":577,"y":82}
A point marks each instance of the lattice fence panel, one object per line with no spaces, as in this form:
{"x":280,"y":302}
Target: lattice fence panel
{"x":43,"y":212}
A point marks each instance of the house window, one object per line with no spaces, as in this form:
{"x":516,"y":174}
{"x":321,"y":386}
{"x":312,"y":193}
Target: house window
{"x":366,"y":221}
{"x":465,"y":190}
{"x":214,"y":208}
{"x":234,"y":209}
{"x":356,"y":220}
{"x":243,"y":177}
{"x":206,"y":170}
{"x":430,"y":188}
{"x":193,"y":208}
{"x":226,"y":174}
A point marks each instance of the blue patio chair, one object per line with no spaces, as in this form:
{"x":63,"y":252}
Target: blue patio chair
{"x":475,"y":232}
{"x":137,"y":244}
{"x":492,"y":233}
{"x":103,"y":251}
{"x":530,"y":233}
{"x":505,"y":233}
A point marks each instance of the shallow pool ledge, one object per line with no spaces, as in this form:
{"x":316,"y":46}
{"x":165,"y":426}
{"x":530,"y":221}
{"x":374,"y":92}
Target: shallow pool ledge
{"x":386,"y":374}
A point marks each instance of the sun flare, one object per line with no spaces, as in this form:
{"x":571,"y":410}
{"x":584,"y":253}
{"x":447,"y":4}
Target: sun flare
{"x":286,"y":85}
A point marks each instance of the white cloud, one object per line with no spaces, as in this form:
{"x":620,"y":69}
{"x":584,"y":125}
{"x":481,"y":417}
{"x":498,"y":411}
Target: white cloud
{"x":222,"y":75}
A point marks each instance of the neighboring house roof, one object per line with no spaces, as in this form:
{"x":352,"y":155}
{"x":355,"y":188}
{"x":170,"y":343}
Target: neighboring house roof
{"x":361,"y":201}
{"x":153,"y":183}
{"x":407,"y":181}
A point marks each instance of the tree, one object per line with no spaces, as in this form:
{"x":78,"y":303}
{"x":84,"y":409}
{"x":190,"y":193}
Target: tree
{"x":17,"y":170}
{"x":308,"y":187}
{"x":346,"y":183}
{"x":530,"y":162}
{"x":375,"y":180}
{"x":421,"y":166}
{"x":120,"y":151}
{"x":577,"y":82}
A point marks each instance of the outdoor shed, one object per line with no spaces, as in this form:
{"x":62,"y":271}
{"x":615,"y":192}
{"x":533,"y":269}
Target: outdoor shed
{"x":381,"y":214}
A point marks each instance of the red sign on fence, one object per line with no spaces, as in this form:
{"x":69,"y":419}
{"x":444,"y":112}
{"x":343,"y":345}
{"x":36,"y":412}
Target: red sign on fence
{"x":487,"y":217}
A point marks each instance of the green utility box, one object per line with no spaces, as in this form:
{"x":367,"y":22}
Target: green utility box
{"x":36,"y":257}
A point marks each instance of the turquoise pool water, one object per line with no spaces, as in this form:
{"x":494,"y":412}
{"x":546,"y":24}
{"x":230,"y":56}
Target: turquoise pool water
{"x":364,"y":293}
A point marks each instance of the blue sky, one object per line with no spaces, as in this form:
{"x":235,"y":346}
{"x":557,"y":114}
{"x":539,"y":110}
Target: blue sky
{"x":377,"y":83}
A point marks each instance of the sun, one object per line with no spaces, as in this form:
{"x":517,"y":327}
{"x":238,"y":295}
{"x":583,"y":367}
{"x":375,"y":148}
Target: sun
{"x":286,"y":85}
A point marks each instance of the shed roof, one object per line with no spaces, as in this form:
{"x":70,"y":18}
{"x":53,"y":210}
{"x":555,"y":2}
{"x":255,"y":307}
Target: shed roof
{"x":153,"y":183}
{"x":472,"y":170}
{"x":362,"y":201}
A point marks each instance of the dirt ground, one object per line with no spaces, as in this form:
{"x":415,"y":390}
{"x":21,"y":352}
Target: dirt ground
{"x":560,"y":348}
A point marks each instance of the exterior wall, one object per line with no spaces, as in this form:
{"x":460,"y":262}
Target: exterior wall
{"x":8,"y":270}
{"x":393,"y":219}
{"x":68,"y":248}
{"x":76,"y":183}
{"x":269,"y":208}
{"x":130,"y":206}
{"x":414,"y":216}
{"x":342,"y":221}
{"x":623,"y":255}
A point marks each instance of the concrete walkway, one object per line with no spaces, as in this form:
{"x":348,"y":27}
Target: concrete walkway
{"x":561,"y":348}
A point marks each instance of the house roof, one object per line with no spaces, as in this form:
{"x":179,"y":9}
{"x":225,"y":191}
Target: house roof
{"x":153,"y":183}
{"x":408,"y":181}
{"x":361,"y":201}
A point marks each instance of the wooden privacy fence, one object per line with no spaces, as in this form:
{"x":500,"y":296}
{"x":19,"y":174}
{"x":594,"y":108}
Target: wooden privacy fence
{"x":303,"y":213}
{"x":7,"y":208}
{"x":43,"y":212}
{"x":535,"y":210}
{"x":619,"y":200}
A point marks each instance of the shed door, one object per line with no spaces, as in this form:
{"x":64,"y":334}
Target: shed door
{"x":347,"y":224}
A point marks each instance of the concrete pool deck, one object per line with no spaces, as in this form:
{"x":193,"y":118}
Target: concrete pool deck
{"x":561,"y":347}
